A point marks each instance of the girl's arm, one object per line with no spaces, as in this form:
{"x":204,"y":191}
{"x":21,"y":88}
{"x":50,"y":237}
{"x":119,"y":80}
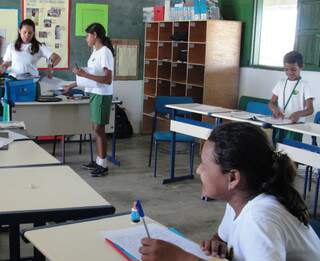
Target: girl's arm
{"x":4,"y":66}
{"x":105,"y":79}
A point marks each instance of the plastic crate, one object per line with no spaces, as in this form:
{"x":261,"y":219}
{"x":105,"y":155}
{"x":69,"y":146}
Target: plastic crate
{"x":21,"y":90}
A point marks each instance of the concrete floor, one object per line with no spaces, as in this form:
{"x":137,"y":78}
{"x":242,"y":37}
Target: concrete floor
{"x":176,"y":204}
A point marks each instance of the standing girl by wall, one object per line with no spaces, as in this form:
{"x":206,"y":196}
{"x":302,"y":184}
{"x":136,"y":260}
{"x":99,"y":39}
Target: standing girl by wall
{"x":100,"y":70}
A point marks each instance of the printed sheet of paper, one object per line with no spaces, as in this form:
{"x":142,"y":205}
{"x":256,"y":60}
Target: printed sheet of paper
{"x":274,"y":121}
{"x":129,"y":239}
{"x":14,"y":135}
{"x":126,"y":62}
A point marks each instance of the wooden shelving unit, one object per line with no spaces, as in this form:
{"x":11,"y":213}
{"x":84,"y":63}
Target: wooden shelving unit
{"x":204,"y":65}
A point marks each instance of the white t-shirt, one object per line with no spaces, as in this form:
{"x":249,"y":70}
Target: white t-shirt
{"x":98,"y":61}
{"x":23,"y":61}
{"x":266,"y":231}
{"x":298,"y":99}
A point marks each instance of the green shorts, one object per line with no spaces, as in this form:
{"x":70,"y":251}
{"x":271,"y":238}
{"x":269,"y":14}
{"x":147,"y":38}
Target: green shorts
{"x":100,"y":107}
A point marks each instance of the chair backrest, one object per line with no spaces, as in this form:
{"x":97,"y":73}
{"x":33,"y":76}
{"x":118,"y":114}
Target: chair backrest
{"x":162,"y":101}
{"x":258,"y":107}
{"x":316,"y":120}
{"x":244,"y":100}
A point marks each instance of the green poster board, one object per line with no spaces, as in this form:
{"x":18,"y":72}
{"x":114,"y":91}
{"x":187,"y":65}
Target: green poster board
{"x":87,"y":14}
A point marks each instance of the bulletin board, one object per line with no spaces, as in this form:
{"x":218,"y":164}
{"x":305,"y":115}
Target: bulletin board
{"x":52,"y":19}
{"x":126,"y":59}
{"x":9,"y":24}
{"x":87,"y":14}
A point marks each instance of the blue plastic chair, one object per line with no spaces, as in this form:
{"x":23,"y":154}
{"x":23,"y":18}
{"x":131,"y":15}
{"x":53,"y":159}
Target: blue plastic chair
{"x":259,"y":108}
{"x":165,"y":136}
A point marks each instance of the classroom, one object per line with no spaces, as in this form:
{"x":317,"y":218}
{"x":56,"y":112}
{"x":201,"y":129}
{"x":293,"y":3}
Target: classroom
{"x":159,"y":130}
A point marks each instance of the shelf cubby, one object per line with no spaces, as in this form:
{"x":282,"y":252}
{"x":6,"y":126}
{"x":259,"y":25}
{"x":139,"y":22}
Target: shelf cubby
{"x":150,"y":86}
{"x":165,"y":50}
{"x":164,"y":70}
{"x":163,"y":88}
{"x":198,"y":31}
{"x":151,"y":50}
{"x":148,"y":104}
{"x":150,"y":69}
{"x":152,"y":31}
{"x":165,"y":31}
{"x":178,"y":89}
{"x":195,"y":92}
{"x":179,"y":72}
{"x":195,"y":75}
{"x":197,"y":53}
{"x":177,"y":48}
{"x":181,"y":29}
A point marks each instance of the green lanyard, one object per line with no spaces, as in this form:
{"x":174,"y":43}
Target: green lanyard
{"x":284,"y":94}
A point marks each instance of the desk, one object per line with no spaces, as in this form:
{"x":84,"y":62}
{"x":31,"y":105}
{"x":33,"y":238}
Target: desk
{"x":68,"y":117}
{"x":25,"y":153}
{"x":44,"y":194}
{"x":66,"y":242}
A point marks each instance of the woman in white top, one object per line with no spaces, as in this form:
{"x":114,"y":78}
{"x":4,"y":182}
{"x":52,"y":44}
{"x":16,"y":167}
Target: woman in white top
{"x":23,"y":55}
{"x":99,"y":73}
{"x":265,"y":218}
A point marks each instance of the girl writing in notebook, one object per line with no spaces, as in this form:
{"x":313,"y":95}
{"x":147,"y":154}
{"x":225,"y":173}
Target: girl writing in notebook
{"x":100,"y":70}
{"x":23,"y":55}
{"x":265,"y":217}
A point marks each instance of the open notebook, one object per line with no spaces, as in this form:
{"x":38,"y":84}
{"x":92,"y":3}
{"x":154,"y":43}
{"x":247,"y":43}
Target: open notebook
{"x":128,"y":241}
{"x":259,"y":117}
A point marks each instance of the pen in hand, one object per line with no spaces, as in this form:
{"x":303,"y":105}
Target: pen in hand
{"x":141,"y":214}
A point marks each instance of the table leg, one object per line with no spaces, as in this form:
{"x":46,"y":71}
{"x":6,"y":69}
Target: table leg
{"x":14,"y":241}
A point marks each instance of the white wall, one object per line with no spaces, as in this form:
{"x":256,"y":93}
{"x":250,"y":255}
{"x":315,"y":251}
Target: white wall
{"x":259,"y":83}
{"x":131,"y":93}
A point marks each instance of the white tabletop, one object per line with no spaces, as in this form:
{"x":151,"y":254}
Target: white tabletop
{"x":308,"y":128}
{"x":80,"y":241}
{"x":198,"y":108}
{"x":22,"y":153}
{"x":231,"y":116}
{"x":39,"y":188}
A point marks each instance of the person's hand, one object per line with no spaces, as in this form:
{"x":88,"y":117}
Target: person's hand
{"x":294,"y":117}
{"x":2,"y":70}
{"x":159,"y":250}
{"x":50,"y":74}
{"x":215,"y":247}
{"x":67,"y":88}
{"x":277,"y":113}
{"x":80,"y":72}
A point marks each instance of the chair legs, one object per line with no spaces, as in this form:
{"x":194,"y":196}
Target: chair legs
{"x":155,"y":158}
{"x":150,"y":151}
{"x":80,"y":144}
{"x":192,"y":144}
{"x":306,"y":179}
{"x":316,"y":195}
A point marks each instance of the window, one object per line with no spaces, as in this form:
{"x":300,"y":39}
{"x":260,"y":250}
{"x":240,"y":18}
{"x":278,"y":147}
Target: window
{"x":275,"y":31}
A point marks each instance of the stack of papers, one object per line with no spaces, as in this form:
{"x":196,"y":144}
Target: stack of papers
{"x":4,"y":140}
{"x":128,"y":241}
{"x":259,"y":117}
{"x":12,"y":125}
{"x":14,"y":136}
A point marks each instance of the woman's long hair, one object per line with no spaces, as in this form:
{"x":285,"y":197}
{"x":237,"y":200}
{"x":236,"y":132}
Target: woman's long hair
{"x":101,"y":34}
{"x":246,"y":148}
{"x":35,"y":44}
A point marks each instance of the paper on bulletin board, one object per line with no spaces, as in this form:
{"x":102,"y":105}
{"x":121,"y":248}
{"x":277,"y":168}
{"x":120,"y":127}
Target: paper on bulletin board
{"x":52,"y":26}
{"x":126,"y":62}
{"x":8,"y":26}
{"x":87,"y":14}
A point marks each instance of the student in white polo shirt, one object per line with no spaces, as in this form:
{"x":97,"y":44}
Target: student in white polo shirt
{"x":100,"y":70}
{"x":291,"y":97}
{"x":265,"y":218}
{"x":23,"y":55}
